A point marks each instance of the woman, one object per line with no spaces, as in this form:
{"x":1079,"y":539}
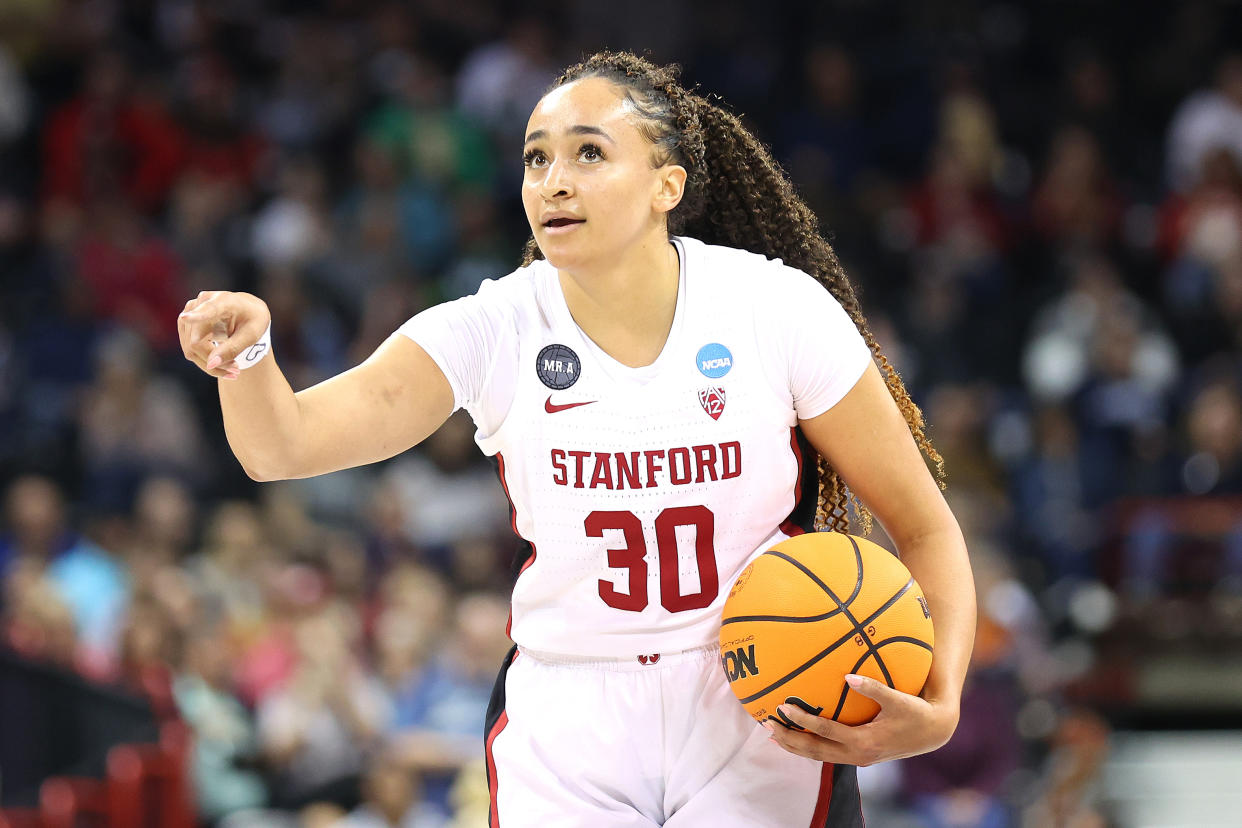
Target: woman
{"x":648,"y":391}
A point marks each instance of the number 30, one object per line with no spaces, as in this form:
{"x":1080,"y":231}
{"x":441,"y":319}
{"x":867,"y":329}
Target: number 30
{"x":633,"y":556}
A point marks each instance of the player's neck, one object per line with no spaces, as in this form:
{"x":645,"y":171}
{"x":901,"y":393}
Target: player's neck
{"x":627,"y":308}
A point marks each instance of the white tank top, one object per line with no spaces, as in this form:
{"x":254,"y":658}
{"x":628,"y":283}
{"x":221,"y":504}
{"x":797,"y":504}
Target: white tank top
{"x":641,"y":493}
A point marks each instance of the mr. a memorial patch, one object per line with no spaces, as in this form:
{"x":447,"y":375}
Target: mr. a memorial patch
{"x":558,"y":367}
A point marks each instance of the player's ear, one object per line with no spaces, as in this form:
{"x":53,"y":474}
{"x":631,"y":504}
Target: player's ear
{"x":670,"y":187}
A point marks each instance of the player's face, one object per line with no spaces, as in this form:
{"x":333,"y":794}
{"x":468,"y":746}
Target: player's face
{"x":589,"y":188}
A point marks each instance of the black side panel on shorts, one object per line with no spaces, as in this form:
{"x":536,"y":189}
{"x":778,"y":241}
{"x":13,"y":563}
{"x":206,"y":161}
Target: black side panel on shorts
{"x":495,"y":707}
{"x":497,"y":704}
{"x":845,"y":808}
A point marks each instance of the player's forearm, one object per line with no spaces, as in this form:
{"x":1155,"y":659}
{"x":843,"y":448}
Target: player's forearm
{"x":262,"y":421}
{"x":941,"y":565}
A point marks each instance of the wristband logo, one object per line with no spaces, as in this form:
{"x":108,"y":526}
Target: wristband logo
{"x":255,"y":352}
{"x":714,"y":360}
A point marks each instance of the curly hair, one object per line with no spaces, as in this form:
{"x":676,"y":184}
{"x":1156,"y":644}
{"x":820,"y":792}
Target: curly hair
{"x":736,"y":195}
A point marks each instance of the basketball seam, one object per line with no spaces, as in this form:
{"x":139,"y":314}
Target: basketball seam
{"x":896,"y":639}
{"x":844,"y":606}
{"x":816,"y":658}
{"x":794,"y":619}
{"x":822,"y":617}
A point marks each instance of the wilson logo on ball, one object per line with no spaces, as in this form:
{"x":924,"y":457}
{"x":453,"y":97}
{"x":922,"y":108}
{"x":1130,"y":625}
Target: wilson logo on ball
{"x":739,"y":663}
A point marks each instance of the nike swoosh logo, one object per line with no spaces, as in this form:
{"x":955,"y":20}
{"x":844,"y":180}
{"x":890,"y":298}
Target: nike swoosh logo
{"x":552,"y":409}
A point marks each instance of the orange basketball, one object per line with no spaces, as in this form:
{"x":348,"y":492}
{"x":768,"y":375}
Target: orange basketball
{"x":815,"y":608}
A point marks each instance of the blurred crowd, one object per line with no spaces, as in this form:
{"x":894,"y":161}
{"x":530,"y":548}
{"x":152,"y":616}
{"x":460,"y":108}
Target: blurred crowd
{"x":1044,"y":222}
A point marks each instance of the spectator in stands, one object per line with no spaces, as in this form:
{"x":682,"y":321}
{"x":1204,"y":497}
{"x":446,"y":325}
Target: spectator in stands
{"x":151,"y":644}
{"x":435,"y":144}
{"x":826,"y":140}
{"x":221,"y":146}
{"x":1201,"y":238}
{"x":964,"y":783}
{"x":230,"y":567}
{"x":37,"y":623}
{"x":14,"y":99}
{"x":438,"y":719}
{"x":225,"y":756}
{"x":35,"y":524}
{"x":391,"y":798}
{"x":109,"y":144}
{"x":387,"y":228}
{"x":86,"y":579}
{"x":1100,"y":349}
{"x":1213,"y":425}
{"x":295,"y":227}
{"x":1076,"y":203}
{"x":500,"y":82}
{"x":135,"y":423}
{"x":317,"y":730}
{"x":130,"y":274}
{"x":446,"y":493}
{"x":1206,"y":119}
{"x":1049,"y":488}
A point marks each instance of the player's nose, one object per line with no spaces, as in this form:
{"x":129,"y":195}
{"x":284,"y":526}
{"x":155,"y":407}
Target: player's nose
{"x":557,"y":181}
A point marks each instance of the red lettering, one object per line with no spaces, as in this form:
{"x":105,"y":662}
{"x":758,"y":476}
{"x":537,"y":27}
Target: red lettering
{"x":652,"y":467}
{"x":578,"y":456}
{"x":628,"y":471}
{"x":704,"y":460}
{"x":731,"y":459}
{"x":603,"y":471}
{"x":704,"y":523}
{"x":632,"y":556}
{"x":679,"y":477}
{"x":558,"y":467}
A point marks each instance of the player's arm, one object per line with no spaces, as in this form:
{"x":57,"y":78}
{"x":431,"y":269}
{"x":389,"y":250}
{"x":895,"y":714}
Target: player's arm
{"x":867,"y":441}
{"x":392,"y":401}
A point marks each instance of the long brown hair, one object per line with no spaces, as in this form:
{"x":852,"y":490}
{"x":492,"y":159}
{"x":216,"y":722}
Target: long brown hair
{"x":736,"y":195}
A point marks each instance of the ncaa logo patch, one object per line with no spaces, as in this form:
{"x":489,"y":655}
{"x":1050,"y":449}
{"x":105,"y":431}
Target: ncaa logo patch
{"x":714,"y":360}
{"x":713,"y":401}
{"x":558,"y":367}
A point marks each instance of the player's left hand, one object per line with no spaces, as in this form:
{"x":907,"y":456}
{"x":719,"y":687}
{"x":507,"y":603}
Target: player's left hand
{"x":905,"y":726}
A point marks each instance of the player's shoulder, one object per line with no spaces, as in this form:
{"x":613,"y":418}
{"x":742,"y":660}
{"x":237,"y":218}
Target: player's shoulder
{"x":745,"y":273}
{"x":513,"y":286}
{"x":512,"y":295}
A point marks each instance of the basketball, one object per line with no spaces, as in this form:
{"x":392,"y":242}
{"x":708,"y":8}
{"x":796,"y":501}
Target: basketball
{"x":813,"y":609}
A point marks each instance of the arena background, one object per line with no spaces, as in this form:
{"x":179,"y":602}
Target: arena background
{"x":1041,"y":205}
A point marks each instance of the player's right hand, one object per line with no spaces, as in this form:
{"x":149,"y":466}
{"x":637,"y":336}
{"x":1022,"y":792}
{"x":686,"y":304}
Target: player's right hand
{"x":217,"y":325}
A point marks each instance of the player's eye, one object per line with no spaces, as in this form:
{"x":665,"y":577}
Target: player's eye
{"x":533,"y":158}
{"x":590,"y":152}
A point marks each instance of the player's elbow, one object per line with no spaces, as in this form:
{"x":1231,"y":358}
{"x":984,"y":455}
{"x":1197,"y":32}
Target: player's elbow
{"x":262,"y":471}
{"x":258,"y":475}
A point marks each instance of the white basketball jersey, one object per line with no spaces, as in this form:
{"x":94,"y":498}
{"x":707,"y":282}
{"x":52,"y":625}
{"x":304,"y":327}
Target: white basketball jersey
{"x":643,"y":492}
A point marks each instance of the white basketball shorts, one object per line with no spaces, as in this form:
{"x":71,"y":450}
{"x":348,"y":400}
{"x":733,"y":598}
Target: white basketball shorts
{"x":657,"y":739}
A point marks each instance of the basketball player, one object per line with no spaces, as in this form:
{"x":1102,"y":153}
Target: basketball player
{"x":655,"y":384}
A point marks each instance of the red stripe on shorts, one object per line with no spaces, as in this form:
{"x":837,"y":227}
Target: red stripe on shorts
{"x":493,"y":817}
{"x":820,"y":819}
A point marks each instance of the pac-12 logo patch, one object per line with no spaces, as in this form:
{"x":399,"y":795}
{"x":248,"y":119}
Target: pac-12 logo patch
{"x":714,"y":360}
{"x":713,"y":401}
{"x":558,"y":367}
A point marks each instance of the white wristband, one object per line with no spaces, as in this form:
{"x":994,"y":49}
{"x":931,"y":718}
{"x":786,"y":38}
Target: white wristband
{"x":255,"y":352}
